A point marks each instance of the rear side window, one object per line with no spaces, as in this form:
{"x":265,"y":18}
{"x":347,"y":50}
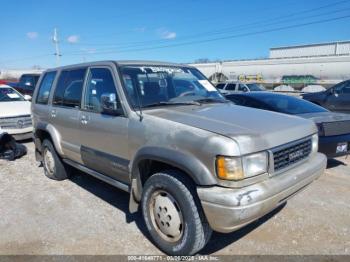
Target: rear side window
{"x":45,"y":88}
{"x":69,"y":88}
{"x":231,"y":87}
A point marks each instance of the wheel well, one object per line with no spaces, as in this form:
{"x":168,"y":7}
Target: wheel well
{"x":41,"y":135}
{"x":149,"y":167}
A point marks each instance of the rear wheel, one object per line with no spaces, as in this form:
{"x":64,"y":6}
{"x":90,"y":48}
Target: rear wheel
{"x":54,"y":168}
{"x":173,"y":214}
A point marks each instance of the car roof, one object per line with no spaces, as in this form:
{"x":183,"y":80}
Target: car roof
{"x":121,"y":63}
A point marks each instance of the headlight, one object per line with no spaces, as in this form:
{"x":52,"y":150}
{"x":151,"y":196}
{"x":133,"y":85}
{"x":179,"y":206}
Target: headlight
{"x":255,"y":164}
{"x":314,"y":143}
{"x":238,"y":168}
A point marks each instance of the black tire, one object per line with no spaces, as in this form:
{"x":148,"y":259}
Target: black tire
{"x":196,"y":231}
{"x":60,"y":171}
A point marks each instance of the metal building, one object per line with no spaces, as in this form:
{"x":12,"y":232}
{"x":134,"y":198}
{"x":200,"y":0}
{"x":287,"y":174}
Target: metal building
{"x":312,"y":50}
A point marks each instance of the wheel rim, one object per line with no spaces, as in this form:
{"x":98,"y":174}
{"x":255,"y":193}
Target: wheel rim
{"x":49,"y":161}
{"x":166,"y":216}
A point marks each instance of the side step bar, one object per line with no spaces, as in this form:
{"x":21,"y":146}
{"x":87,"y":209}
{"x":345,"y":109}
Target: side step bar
{"x":98,"y":175}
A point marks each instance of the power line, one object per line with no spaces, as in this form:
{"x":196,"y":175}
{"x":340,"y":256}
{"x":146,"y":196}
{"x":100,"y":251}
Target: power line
{"x":227,"y":29}
{"x":196,"y":36}
{"x":273,"y":21}
{"x":224,"y":38}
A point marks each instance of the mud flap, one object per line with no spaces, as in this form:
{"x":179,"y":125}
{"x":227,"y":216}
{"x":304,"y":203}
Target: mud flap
{"x":134,"y":201}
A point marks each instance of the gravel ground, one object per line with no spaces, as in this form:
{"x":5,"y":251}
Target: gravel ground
{"x":85,"y":216}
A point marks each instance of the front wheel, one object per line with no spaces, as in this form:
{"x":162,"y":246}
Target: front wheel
{"x":173,"y":214}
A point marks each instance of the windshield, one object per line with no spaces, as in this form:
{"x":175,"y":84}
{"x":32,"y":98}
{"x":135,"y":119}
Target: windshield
{"x":256,"y":87}
{"x":164,"y":85}
{"x":291,"y":105}
{"x":8,"y":94}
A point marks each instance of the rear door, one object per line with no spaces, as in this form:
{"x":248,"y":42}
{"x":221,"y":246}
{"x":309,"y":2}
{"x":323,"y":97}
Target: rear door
{"x":65,"y":110}
{"x":104,"y":137}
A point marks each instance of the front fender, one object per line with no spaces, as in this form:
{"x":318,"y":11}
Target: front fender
{"x":188,"y":163}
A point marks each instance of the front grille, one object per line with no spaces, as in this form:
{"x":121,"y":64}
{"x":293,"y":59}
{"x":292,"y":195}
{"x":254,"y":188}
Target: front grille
{"x":291,"y":154}
{"x":19,"y":122}
{"x":336,"y":128}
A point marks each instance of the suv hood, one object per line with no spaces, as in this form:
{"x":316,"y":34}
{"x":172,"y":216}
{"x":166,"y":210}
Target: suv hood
{"x":253,"y":129}
{"x":13,"y":109}
{"x":323,"y":117}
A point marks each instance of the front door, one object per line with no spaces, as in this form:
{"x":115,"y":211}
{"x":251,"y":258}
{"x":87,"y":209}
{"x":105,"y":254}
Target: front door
{"x":104,"y":137}
{"x":339,"y":99}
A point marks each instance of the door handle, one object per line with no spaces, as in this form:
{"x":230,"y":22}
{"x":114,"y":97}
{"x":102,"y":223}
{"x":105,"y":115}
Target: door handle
{"x":53,"y":113}
{"x":84,"y":120}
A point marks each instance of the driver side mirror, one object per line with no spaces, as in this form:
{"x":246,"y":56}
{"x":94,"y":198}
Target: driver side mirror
{"x":28,"y":84}
{"x":109,"y":105}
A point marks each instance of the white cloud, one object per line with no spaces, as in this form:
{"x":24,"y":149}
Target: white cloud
{"x":73,"y":39}
{"x":166,"y":34}
{"x":32,"y":35}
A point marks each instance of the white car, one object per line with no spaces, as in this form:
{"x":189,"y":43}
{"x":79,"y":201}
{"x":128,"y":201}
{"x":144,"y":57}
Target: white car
{"x":15,"y":114}
{"x":230,"y":87}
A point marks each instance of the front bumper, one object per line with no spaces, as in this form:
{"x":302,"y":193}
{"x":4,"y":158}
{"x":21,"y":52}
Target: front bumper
{"x":328,"y":145}
{"x":20,"y":134}
{"x":228,"y":209}
{"x":23,"y":136}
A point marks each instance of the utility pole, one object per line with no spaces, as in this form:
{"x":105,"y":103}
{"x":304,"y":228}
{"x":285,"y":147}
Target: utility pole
{"x":56,"y":42}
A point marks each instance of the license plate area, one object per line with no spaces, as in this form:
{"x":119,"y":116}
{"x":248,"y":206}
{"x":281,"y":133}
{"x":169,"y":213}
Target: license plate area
{"x":342,"y":147}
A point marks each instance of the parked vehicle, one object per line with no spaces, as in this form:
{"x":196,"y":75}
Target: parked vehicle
{"x":333,"y":128}
{"x":192,"y":160}
{"x":237,"y":86}
{"x":336,"y":98}
{"x":15,"y":114}
{"x":26,"y":84}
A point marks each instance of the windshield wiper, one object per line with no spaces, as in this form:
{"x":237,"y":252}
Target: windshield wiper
{"x":211,"y":100}
{"x":173,"y":104}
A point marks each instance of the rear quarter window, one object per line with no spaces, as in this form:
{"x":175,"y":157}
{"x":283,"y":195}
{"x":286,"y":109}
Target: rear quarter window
{"x":45,"y":88}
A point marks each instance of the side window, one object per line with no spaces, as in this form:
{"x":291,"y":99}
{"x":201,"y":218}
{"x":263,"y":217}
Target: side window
{"x":45,"y":88}
{"x":242,"y":88}
{"x":220,"y":86}
{"x":231,"y":87}
{"x":100,"y":83}
{"x":346,"y":88}
{"x":69,"y":88}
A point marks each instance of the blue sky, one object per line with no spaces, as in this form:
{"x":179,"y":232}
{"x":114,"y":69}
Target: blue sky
{"x":177,"y":31}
